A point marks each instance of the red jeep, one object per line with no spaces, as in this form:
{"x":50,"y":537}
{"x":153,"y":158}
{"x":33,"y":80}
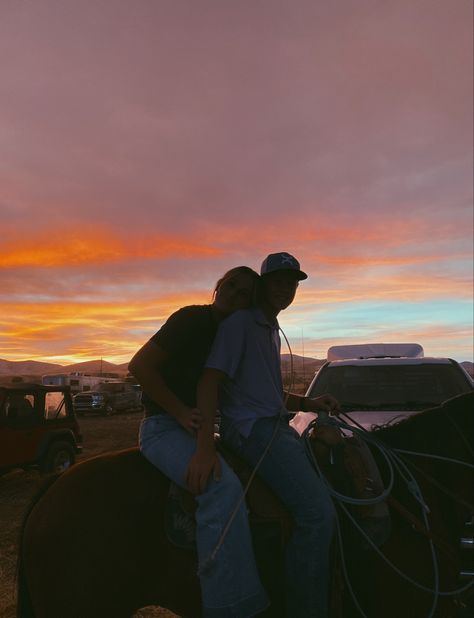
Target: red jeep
{"x":38,"y":428}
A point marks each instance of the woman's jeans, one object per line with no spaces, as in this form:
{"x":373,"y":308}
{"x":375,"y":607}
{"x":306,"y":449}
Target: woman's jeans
{"x":287,"y":469}
{"x":230,"y":584}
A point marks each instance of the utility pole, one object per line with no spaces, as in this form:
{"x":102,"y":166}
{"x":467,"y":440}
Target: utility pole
{"x":302,"y":348}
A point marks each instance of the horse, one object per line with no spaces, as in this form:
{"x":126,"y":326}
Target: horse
{"x":93,"y":542}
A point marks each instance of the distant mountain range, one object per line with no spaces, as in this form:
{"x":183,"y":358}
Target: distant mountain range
{"x":301,"y":364}
{"x":29,"y":367}
{"x":35,"y":368}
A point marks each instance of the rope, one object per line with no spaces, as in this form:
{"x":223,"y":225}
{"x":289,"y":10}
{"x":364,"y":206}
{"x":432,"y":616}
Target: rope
{"x":393,"y":462}
{"x":207,"y":563}
{"x":441,"y":487}
{"x":431,"y":456}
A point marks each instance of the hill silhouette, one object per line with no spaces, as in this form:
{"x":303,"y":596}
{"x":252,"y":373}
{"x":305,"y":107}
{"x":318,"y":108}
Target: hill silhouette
{"x":29,"y":367}
{"x":301,"y":365}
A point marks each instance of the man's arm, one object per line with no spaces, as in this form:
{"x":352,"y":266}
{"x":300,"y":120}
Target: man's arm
{"x":300,"y":403}
{"x":221,"y":363}
{"x":205,"y":460}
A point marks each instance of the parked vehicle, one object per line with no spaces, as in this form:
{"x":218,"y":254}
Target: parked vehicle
{"x":378,"y":383}
{"x":77,"y":381}
{"x":38,"y":428}
{"x":108,"y":398}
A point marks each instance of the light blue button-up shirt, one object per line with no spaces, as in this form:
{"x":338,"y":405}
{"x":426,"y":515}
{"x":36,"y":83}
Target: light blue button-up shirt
{"x":247,"y":350}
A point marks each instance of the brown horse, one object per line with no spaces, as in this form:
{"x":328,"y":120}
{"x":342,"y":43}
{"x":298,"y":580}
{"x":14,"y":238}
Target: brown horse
{"x":93,"y":543}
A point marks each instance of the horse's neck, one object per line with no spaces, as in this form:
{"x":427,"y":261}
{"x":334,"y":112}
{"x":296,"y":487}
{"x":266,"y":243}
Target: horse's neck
{"x":438,"y":431}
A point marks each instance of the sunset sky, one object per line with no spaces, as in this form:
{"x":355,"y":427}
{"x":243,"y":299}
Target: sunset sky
{"x":147,"y":146}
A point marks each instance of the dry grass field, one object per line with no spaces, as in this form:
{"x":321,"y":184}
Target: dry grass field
{"x":17,"y":487}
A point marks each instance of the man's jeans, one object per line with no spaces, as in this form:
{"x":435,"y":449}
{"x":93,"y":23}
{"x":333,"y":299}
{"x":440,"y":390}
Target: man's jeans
{"x":287,"y":470}
{"x":230,"y":584}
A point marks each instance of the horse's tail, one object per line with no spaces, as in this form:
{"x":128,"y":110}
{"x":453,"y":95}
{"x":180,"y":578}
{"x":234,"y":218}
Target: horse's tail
{"x":24,"y":605}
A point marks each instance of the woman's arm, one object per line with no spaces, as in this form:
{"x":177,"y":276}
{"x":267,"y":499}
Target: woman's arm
{"x":146,"y":367}
{"x":205,"y":460}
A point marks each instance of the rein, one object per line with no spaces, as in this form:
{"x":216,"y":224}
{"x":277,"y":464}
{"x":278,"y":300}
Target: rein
{"x":418,"y":525}
{"x":460,"y":434}
{"x":431,"y":479}
{"x":445,"y":490}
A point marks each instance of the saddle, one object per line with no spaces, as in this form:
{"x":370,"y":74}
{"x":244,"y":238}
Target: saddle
{"x":346,"y":462}
{"x":263,"y":505}
{"x":349,"y":466}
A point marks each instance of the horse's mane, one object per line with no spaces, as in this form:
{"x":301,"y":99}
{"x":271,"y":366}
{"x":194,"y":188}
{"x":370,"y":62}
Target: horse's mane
{"x":431,"y":423}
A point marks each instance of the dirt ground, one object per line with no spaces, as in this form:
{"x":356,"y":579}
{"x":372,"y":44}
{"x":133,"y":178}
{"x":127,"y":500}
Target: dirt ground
{"x":101,"y":434}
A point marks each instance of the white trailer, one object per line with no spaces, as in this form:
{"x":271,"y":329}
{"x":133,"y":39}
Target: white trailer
{"x":78,"y":382}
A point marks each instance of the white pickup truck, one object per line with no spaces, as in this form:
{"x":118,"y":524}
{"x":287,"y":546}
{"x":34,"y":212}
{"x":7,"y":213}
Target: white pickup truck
{"x":378,"y":382}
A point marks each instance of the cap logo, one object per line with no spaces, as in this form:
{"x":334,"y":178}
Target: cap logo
{"x":287,"y":259}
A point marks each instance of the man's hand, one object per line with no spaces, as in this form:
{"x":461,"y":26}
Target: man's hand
{"x":203,"y":463}
{"x":323,"y":403}
{"x":190,"y":419}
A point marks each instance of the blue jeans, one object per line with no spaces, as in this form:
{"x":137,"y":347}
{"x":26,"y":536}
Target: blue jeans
{"x":230,"y":584}
{"x":287,"y":470}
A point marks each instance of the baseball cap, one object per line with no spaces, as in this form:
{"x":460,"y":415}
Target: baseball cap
{"x":281,"y":261}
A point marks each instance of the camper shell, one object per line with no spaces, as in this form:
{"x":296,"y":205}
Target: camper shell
{"x":375,"y":350}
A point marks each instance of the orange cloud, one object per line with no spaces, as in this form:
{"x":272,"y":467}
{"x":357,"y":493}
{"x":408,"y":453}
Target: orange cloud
{"x":61,"y":246}
{"x":89,"y":314}
{"x":79,"y":331}
{"x":342,"y":271}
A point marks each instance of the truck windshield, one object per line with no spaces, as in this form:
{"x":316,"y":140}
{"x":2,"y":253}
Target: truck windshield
{"x":390,"y":387}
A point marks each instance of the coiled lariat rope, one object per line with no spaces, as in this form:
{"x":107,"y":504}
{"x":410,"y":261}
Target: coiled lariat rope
{"x":394,"y":463}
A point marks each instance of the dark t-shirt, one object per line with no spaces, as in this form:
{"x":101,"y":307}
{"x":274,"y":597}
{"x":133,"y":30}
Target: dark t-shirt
{"x":187,"y":338}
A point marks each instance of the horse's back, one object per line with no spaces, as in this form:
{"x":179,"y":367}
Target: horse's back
{"x":93,"y":543}
{"x":95,"y":495}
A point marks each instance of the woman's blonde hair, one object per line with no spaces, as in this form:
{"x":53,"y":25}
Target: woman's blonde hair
{"x":235,"y":272}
